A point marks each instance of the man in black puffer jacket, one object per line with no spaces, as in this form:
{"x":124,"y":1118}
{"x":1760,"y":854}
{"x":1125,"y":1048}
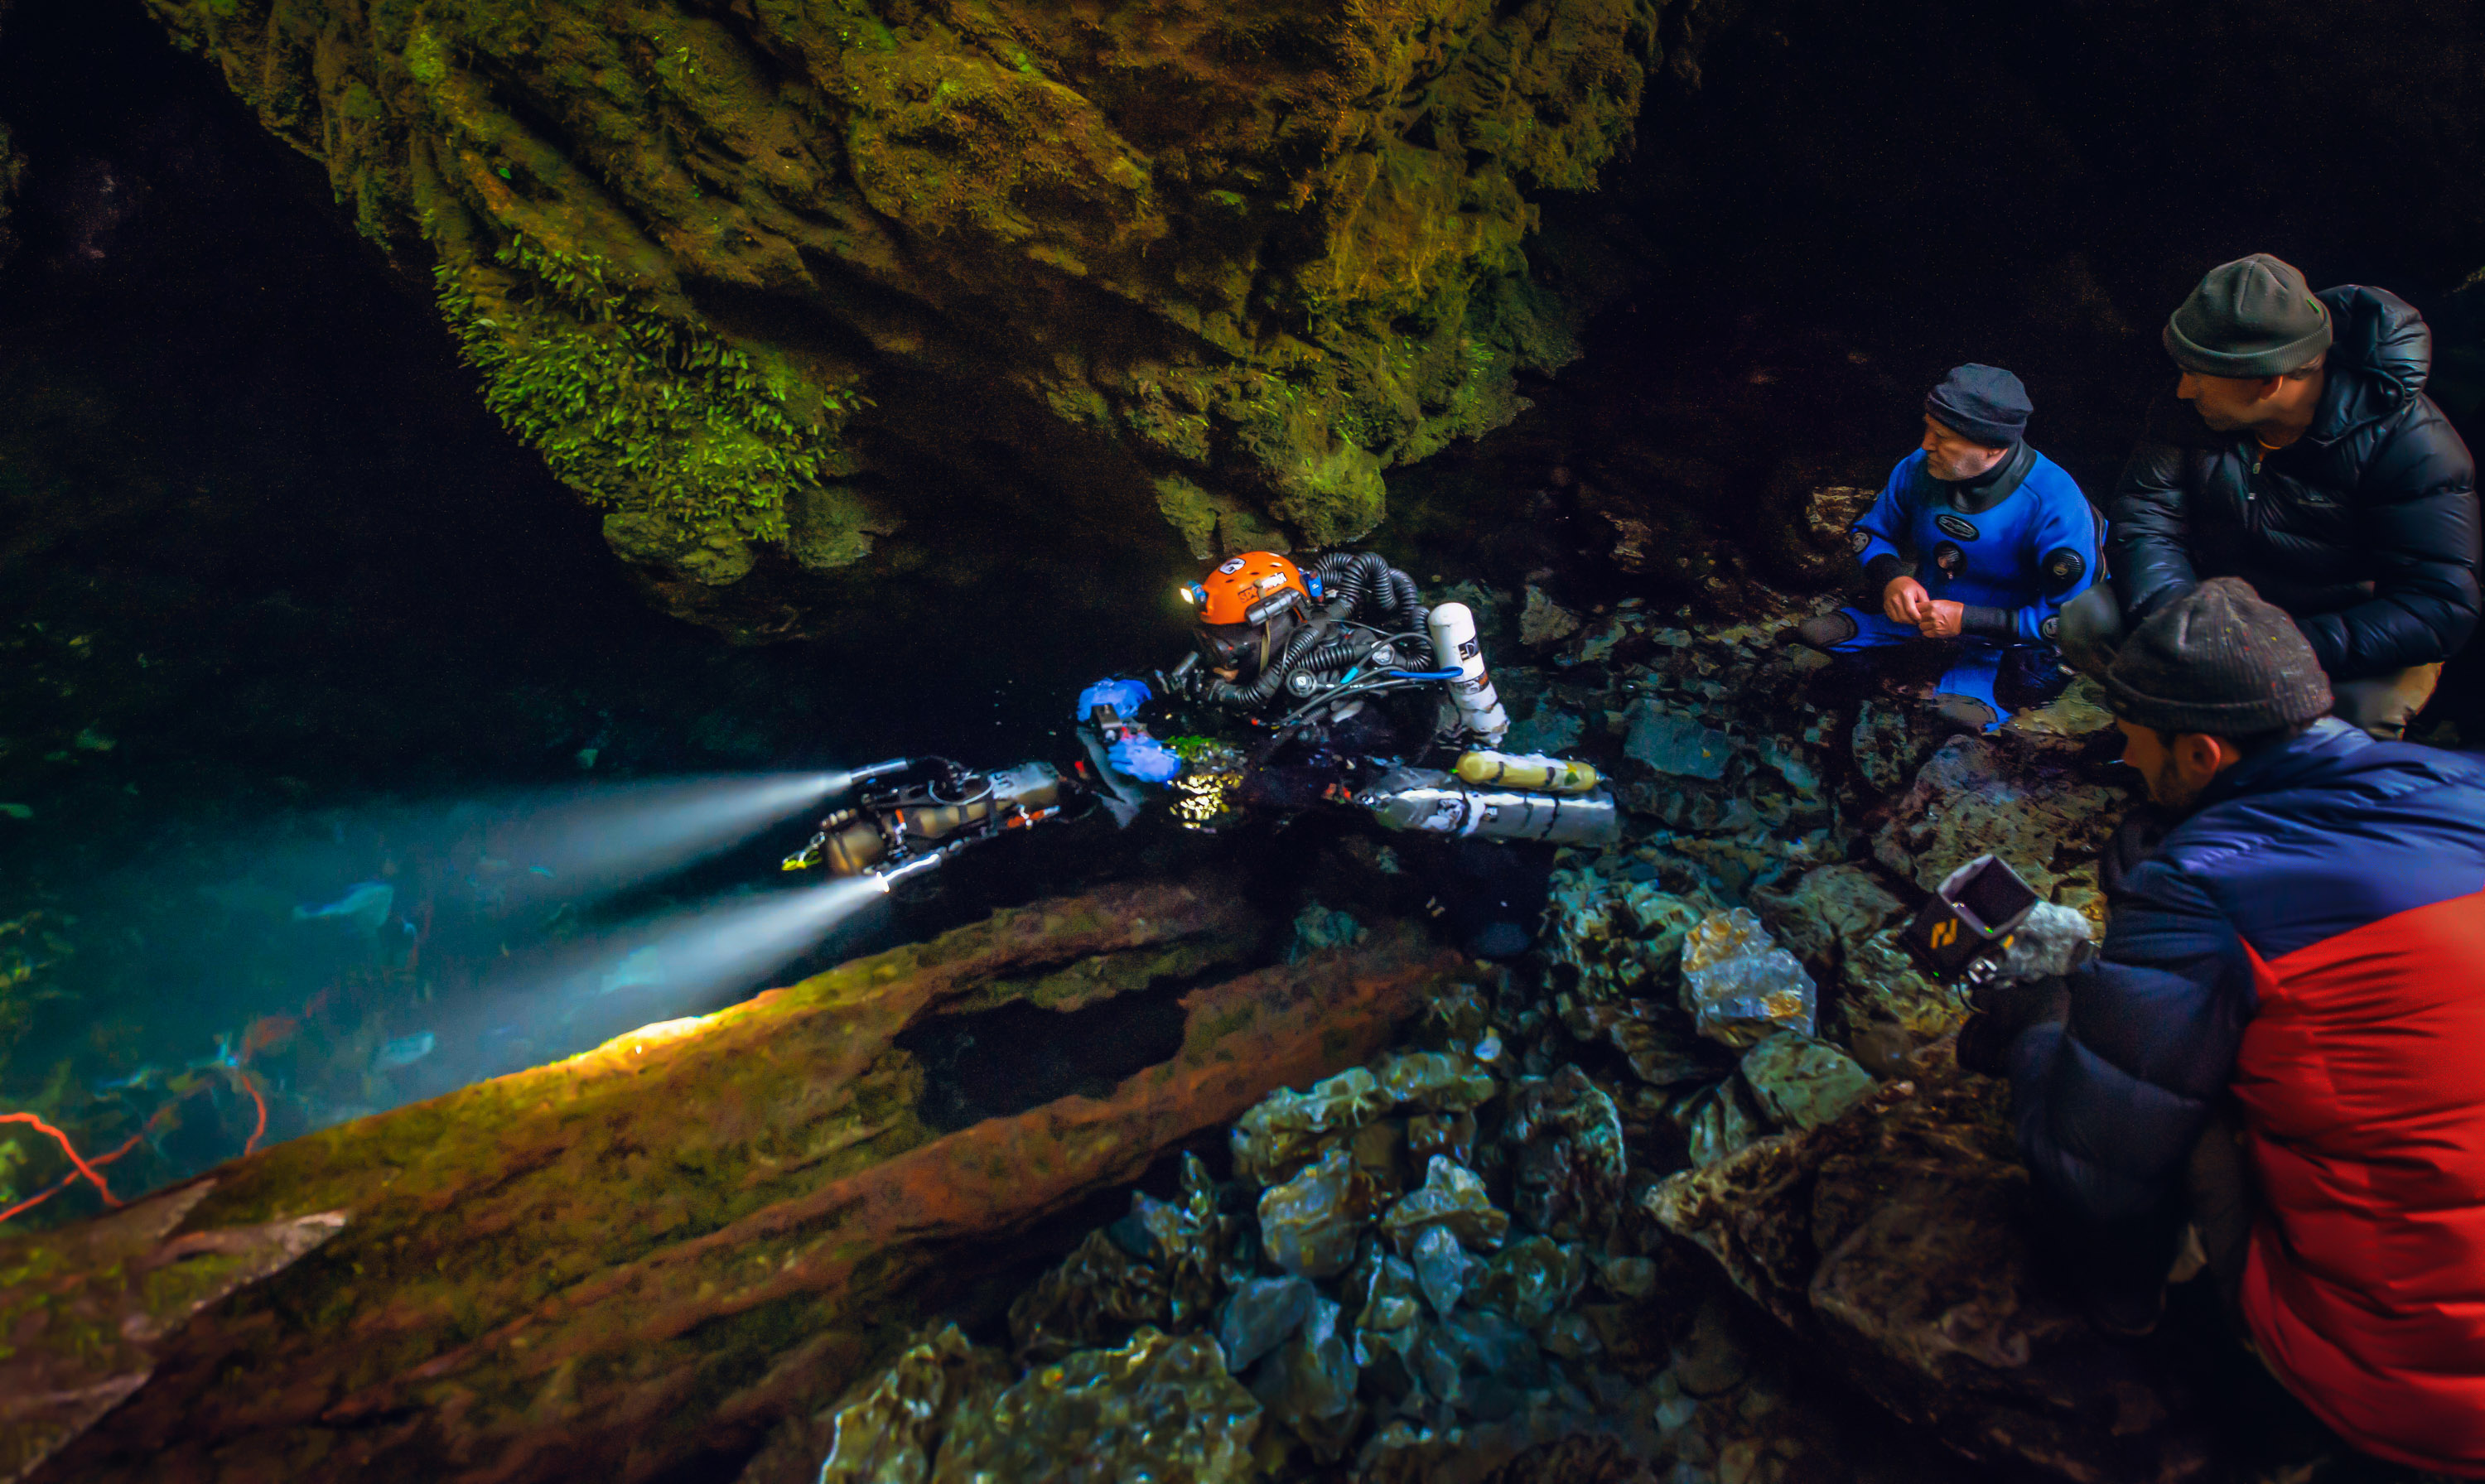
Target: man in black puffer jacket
{"x":2302,"y":455}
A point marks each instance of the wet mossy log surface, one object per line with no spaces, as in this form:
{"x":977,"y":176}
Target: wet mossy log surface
{"x":742,"y":272}
{"x":644,"y":1256}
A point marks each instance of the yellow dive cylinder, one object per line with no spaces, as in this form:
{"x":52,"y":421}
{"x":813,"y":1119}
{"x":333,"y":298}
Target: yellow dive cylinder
{"x":855,"y":848}
{"x":861,"y":846}
{"x":1526,"y":770}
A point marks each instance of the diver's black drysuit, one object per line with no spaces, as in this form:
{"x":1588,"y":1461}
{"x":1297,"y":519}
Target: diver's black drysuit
{"x":1283,"y":745}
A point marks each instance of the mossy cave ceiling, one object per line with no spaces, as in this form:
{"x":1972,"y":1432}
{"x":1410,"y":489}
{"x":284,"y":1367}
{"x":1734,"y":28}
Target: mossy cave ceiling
{"x":742,"y":272}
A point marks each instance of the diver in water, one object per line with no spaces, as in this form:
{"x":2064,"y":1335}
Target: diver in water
{"x":1333,"y":685}
{"x":1998,"y":537}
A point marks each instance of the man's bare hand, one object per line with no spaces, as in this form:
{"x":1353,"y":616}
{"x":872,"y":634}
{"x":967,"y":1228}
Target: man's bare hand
{"x":1904,"y":600}
{"x":1941,"y":619}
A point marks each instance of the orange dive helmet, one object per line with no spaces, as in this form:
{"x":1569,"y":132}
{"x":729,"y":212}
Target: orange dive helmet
{"x":1236,"y":603}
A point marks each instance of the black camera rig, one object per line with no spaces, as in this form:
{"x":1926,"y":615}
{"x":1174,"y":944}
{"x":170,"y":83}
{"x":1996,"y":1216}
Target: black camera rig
{"x":913,"y":814}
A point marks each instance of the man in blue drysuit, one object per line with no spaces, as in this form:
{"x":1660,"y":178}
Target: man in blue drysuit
{"x":1999,"y":538}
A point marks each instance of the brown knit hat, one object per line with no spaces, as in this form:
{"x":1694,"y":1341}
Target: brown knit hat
{"x":2218,"y":661}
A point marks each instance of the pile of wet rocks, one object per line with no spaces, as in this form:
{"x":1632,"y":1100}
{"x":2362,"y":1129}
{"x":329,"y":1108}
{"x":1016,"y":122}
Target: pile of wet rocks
{"x":1436,"y":1266}
{"x":1449,"y":1264}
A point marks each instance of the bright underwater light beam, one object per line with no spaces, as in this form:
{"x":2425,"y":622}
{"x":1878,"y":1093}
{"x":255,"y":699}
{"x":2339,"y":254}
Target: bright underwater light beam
{"x":354,"y":916}
{"x":622,"y":834}
{"x":552,"y":1003}
{"x":697,"y":956}
{"x":709,"y":953}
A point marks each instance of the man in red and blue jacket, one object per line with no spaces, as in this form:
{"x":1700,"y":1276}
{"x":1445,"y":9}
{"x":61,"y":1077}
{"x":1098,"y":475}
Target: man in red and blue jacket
{"x":2301,"y":965}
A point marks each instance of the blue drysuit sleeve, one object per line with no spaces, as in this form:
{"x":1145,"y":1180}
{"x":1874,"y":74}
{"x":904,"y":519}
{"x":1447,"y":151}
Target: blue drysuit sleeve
{"x":1884,"y":527}
{"x":2061,"y":538}
{"x":2110,"y":1103}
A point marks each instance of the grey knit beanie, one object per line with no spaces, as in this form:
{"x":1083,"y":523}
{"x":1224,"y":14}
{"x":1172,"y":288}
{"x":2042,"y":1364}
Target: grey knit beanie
{"x":2218,"y":661}
{"x":2254,"y":316}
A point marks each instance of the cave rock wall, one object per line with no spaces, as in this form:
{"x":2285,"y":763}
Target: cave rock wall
{"x":753,"y":277}
{"x":13,"y":167}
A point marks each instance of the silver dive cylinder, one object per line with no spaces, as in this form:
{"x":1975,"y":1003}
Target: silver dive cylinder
{"x":887,"y":877}
{"x":1434,"y":803}
{"x":1455,"y":647}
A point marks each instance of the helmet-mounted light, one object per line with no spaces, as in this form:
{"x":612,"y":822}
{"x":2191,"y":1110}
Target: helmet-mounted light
{"x":1284,"y":600}
{"x":1193,"y":594}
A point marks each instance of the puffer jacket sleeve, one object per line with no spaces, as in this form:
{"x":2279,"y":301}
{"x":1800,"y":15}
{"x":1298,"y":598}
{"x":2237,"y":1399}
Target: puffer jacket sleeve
{"x":2419,"y":509}
{"x":2149,"y":524}
{"x":2110,"y":1103}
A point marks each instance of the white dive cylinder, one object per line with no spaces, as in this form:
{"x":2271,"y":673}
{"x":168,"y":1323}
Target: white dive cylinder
{"x":1455,"y":647}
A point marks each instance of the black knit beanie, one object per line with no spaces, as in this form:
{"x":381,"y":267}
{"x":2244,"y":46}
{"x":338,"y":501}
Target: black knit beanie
{"x":2218,"y":661}
{"x":1983,"y":403}
{"x":2254,"y":316}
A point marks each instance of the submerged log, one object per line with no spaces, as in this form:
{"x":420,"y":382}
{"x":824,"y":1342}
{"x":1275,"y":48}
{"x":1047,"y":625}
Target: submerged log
{"x":642,"y":1258}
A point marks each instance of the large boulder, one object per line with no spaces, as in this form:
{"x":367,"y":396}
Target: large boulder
{"x":744,"y":274}
{"x":651,"y":1254}
{"x":1976,"y":797}
{"x":1896,"y":1242}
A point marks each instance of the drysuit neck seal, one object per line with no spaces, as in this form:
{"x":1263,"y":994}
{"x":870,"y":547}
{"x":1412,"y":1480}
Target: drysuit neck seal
{"x":1976,"y":495}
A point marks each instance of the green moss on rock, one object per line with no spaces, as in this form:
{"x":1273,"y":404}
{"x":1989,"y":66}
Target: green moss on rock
{"x":1220,"y":267}
{"x":680,"y":429}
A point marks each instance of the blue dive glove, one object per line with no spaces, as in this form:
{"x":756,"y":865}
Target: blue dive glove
{"x":1145,"y":758}
{"x":1122,"y":697}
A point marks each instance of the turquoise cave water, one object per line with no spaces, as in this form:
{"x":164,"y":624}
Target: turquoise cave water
{"x":308,"y":674}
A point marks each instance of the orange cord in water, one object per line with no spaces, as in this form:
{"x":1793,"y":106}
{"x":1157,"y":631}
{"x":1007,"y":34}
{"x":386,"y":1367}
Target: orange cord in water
{"x":87,"y":1168}
{"x":252,"y":1088}
{"x":69,"y":1148}
{"x":32,"y":1201}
